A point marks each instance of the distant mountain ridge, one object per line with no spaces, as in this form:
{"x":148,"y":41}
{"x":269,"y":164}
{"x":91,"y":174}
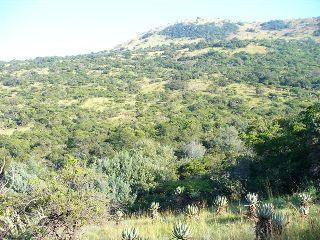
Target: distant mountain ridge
{"x":215,"y":29}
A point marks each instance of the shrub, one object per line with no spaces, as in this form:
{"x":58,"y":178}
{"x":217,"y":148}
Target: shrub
{"x":208,"y":31}
{"x":274,"y":25}
{"x":193,"y":149}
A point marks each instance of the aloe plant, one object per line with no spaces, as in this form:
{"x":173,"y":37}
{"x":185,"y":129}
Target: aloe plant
{"x":305,"y":200}
{"x":279,"y":222}
{"x":154,"y":209}
{"x":252,"y":200}
{"x":119,"y":216}
{"x":304,"y":211}
{"x":130,"y":234}
{"x":179,"y":195}
{"x":192,"y":211}
{"x":181,"y":231}
{"x":179,"y":190}
{"x":264,"y":224}
{"x":221,"y":203}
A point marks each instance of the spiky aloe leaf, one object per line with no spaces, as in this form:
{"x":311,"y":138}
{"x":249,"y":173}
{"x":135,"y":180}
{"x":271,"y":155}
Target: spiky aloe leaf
{"x":192,"y":210}
{"x":130,"y":234}
{"x":181,"y":231}
{"x":279,"y":222}
{"x":221,"y":201}
{"x":280,"y":219}
{"x":252,"y":198}
{"x":265,"y":211}
{"x":154,"y":206}
{"x":179,"y":190}
{"x":119,"y":214}
{"x":304,"y":198}
{"x":304,"y":210}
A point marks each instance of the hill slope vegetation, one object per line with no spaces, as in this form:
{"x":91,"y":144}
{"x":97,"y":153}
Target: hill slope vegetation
{"x":213,"y":107}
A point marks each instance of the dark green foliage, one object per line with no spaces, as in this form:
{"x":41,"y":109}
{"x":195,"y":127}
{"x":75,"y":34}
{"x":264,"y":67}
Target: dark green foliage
{"x":208,"y":31}
{"x":316,"y":33}
{"x":11,"y":82}
{"x":275,"y":25}
{"x":289,"y":152}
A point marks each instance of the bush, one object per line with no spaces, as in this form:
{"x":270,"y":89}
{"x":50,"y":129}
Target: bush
{"x":193,"y":149}
{"x":274,"y":25}
{"x":56,"y":207}
{"x":208,"y":31}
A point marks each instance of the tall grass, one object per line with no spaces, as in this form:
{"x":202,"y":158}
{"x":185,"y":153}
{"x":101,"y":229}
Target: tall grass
{"x":232,"y":225}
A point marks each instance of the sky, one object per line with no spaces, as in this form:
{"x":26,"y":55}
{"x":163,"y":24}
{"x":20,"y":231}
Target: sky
{"x":32,"y":28}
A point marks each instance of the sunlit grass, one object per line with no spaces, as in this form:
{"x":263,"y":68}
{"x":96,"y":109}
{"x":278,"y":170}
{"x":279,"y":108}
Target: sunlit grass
{"x":209,"y":225}
{"x":10,"y":131}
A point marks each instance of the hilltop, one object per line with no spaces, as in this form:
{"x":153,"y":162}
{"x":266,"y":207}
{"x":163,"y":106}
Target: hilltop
{"x":199,"y":29}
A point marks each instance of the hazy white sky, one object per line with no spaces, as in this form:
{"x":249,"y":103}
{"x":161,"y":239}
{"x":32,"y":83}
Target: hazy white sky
{"x":31,"y":28}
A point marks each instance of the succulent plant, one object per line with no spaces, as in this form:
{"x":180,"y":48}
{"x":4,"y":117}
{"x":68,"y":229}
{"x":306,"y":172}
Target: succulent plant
{"x":265,"y":211}
{"x":252,"y":200}
{"x":130,"y":234}
{"x":179,"y":195}
{"x":304,"y":210}
{"x":305,"y":200}
{"x":179,"y":190}
{"x":154,"y":207}
{"x":181,"y":231}
{"x":119,"y":216}
{"x":192,"y":211}
{"x":221,"y":203}
{"x":279,"y":222}
{"x":264,"y":224}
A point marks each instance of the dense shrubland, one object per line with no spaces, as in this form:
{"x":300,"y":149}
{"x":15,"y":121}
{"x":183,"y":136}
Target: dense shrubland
{"x":88,"y":138}
{"x":275,"y":25}
{"x":208,"y":31}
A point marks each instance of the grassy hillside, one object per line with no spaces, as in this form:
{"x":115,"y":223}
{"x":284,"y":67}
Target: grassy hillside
{"x":211,"y":107}
{"x":207,"y":226}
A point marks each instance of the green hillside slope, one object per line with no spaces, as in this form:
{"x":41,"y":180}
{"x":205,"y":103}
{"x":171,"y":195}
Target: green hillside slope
{"x":217,"y":107}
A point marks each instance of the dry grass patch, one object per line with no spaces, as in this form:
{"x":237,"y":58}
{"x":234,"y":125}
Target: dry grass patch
{"x":41,"y":71}
{"x":154,"y":53}
{"x":251,"y":49}
{"x":198,"y":52}
{"x":11,"y":131}
{"x":122,"y":117}
{"x":96,"y":103}
{"x":158,"y":40}
{"x":67,"y":102}
{"x":198,"y":85}
{"x":251,"y":98}
{"x":147,"y":86}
